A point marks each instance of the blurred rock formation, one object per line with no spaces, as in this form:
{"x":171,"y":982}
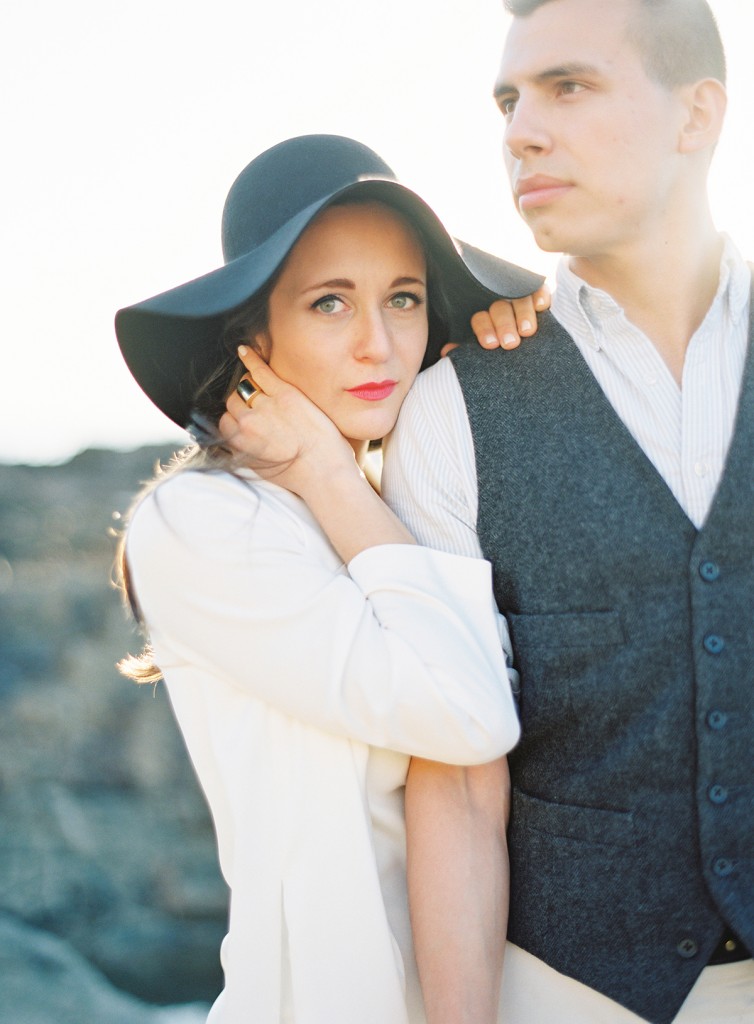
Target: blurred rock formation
{"x":109,"y":887}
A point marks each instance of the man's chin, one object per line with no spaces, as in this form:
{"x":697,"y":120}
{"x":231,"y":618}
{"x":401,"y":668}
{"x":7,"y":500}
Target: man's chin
{"x":550,"y":242}
{"x":548,"y":236}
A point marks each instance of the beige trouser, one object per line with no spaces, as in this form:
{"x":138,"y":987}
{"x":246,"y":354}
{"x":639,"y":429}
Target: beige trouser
{"x":535,"y":994}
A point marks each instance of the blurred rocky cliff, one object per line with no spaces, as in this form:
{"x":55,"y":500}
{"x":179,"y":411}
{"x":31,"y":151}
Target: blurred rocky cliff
{"x":111,"y":904}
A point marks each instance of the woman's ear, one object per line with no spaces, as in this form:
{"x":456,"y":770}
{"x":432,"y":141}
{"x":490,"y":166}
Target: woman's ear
{"x":705,"y":102}
{"x":262,"y":345}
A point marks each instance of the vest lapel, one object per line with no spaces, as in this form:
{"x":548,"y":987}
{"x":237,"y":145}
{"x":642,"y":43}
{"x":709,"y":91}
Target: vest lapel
{"x":614,"y":429}
{"x":737,"y":480}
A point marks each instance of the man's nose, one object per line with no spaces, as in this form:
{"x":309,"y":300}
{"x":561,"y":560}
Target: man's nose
{"x":526,"y":130}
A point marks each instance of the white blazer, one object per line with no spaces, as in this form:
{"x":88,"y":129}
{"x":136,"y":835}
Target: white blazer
{"x":302,"y":688}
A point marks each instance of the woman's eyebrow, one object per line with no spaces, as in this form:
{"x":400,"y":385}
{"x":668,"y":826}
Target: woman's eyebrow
{"x":344,"y":282}
{"x":407,"y":280}
{"x":337,"y":282}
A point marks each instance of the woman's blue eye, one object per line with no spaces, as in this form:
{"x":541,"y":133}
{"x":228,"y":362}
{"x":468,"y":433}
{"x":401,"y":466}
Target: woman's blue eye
{"x":327,"y":304}
{"x":404,"y":300}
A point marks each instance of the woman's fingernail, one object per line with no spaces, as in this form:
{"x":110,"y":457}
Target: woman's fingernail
{"x":526,"y":325}
{"x":510,"y":341}
{"x":540,"y":303}
{"x":242,"y":350}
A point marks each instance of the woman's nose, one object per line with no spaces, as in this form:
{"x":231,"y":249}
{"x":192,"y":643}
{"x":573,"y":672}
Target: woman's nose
{"x":372,"y":337}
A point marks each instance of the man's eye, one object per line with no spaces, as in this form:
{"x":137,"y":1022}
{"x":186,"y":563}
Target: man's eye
{"x":569,"y":88}
{"x":507,"y":106}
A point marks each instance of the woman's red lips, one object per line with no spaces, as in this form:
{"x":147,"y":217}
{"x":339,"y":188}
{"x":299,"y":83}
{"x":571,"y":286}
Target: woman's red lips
{"x":373,"y":390}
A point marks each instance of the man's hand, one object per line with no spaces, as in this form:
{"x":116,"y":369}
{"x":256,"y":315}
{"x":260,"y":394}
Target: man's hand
{"x":506,"y":322}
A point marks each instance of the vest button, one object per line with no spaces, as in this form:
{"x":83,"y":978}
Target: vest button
{"x":687,"y":948}
{"x":714,"y":644}
{"x":718,"y":794}
{"x":722,"y":867}
{"x":717,"y":720}
{"x":709,"y":571}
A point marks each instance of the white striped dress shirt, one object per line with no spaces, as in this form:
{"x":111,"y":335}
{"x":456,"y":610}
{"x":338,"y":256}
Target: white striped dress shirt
{"x":429,"y":479}
{"x":429,"y":475}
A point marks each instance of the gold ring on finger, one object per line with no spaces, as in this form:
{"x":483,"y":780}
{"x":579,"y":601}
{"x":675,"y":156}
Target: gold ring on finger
{"x":248,"y":390}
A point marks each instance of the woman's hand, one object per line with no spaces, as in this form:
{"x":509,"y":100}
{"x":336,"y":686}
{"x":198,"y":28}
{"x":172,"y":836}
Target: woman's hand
{"x":282,"y":436}
{"x":506,"y":322}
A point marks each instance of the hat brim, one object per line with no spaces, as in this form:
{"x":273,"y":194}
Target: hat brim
{"x":171,"y":342}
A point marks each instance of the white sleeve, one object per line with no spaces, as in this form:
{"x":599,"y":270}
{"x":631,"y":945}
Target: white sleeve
{"x":400,"y":652}
{"x":429,"y":474}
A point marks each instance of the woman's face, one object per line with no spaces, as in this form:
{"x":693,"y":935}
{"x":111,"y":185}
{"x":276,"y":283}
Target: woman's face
{"x":348,"y":317}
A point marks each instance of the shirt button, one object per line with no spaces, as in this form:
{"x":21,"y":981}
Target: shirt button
{"x":714,"y":644}
{"x":709,"y":571}
{"x":718,"y":794}
{"x":717,"y":720}
{"x":701,"y":468}
{"x":687,"y":948}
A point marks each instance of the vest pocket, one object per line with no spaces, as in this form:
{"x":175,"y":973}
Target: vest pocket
{"x":572,"y":821}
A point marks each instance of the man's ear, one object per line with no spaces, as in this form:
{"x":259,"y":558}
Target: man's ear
{"x":704,"y":102}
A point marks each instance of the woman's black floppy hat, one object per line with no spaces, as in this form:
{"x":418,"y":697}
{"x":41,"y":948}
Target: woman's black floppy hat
{"x":172,"y":342}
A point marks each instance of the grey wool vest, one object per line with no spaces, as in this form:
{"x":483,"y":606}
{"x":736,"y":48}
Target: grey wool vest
{"x":632,"y":829}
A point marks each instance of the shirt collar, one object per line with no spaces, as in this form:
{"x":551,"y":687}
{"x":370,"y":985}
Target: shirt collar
{"x":735,"y":277}
{"x":593,"y":307}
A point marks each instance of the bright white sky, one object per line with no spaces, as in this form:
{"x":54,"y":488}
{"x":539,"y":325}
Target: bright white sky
{"x":126,"y":122}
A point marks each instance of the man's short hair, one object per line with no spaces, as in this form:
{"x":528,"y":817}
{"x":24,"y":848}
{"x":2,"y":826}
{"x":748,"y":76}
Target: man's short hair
{"x":678,"y":40}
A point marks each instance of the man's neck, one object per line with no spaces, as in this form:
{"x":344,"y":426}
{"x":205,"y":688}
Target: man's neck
{"x":665,"y":290}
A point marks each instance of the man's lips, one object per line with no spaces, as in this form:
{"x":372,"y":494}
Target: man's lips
{"x":539,"y":190}
{"x":373,"y":390}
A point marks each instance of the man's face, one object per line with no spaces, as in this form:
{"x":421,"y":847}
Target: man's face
{"x":591,"y":144}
